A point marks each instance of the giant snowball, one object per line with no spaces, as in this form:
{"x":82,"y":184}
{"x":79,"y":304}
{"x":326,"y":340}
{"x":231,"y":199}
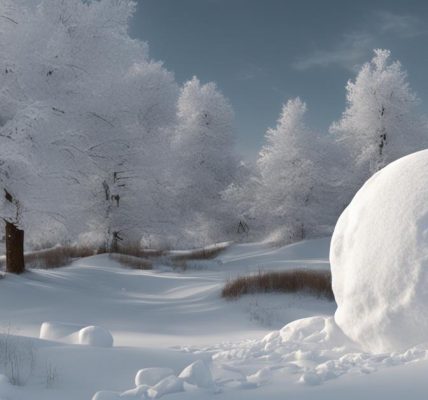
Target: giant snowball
{"x":379,"y":259}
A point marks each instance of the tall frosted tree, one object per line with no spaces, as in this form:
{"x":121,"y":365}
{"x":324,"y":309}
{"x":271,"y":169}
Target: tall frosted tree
{"x":381,"y":122}
{"x":35,"y":173}
{"x":130,"y":146}
{"x":241,"y":200}
{"x":206,"y":162}
{"x":294,"y":178}
{"x":82,"y":111}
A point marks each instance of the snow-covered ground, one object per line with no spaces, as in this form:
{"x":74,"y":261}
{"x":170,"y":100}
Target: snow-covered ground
{"x":170,"y":319}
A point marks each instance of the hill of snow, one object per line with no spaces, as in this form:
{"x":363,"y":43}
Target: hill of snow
{"x":177,"y":323}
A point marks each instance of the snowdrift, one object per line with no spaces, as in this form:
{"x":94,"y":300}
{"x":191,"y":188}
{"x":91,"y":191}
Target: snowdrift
{"x":76,"y":334}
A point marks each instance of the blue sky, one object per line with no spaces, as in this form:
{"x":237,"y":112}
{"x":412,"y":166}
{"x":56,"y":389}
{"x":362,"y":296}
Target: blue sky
{"x":260,"y":53}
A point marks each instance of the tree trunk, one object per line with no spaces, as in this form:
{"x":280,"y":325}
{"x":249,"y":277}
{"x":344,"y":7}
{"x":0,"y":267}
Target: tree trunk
{"x":114,"y":245}
{"x":14,"y":249}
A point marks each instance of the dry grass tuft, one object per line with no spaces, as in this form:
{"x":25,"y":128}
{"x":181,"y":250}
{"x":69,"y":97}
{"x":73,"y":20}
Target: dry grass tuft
{"x":58,"y":256}
{"x":205,"y":253}
{"x":198,"y":254}
{"x":130,"y":255}
{"x":135,"y":250}
{"x":315,"y":283}
{"x":132,"y":261}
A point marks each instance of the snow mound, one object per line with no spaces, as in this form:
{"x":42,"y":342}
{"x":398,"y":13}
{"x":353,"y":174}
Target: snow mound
{"x":309,"y":351}
{"x":261,"y":376}
{"x":313,"y":349}
{"x":379,"y":259}
{"x":152,"y":376}
{"x":53,"y":330}
{"x":137,"y":393}
{"x":106,"y":395}
{"x":76,"y":334}
{"x":95,"y":336}
{"x":168,"y":385}
{"x":197,"y":374}
{"x":158,"y":383}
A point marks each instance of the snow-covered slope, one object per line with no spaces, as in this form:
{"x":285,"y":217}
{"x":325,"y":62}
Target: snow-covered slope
{"x":177,"y":321}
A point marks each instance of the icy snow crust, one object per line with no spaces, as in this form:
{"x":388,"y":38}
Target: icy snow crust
{"x":379,"y":259}
{"x":174,"y":337}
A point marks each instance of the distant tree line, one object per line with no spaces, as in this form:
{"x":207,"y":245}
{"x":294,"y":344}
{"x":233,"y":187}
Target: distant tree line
{"x":304,"y":179}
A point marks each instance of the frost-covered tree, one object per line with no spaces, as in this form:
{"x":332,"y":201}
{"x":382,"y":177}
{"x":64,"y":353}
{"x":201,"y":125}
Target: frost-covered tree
{"x":240,"y":197}
{"x":206,"y":163}
{"x":91,"y":141}
{"x":381,"y":122}
{"x":121,"y":104}
{"x":295,"y":178}
{"x":130,"y":144}
{"x":83,"y":111}
{"x":35,"y":173}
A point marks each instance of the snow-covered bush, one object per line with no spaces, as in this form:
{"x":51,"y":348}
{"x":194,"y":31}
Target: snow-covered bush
{"x":17,"y":358}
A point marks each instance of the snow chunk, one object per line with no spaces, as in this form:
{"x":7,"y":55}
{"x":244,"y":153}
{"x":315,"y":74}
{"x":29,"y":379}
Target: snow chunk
{"x":95,"y":336}
{"x":151,"y":376}
{"x":137,"y":393}
{"x":313,"y":330}
{"x":53,"y":330}
{"x":197,"y":374}
{"x":261,"y":376}
{"x":170,"y":384}
{"x":106,"y":395}
{"x":379,"y":258}
{"x":76,"y":334}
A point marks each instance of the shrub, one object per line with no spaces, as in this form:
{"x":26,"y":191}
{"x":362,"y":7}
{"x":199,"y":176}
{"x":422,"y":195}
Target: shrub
{"x":58,"y":256}
{"x":17,"y":358}
{"x":51,"y":375}
{"x":55,"y":257}
{"x":205,"y":253}
{"x":132,"y":261}
{"x":315,"y":283}
{"x":134,"y":249}
{"x":131,"y":255}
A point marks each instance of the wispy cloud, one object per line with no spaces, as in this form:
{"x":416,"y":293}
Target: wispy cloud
{"x":353,"y":48}
{"x":405,"y":26}
{"x":249,"y":72}
{"x":348,"y":53}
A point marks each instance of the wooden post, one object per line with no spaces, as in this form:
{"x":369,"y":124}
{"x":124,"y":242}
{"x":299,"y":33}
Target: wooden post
{"x":14,"y":249}
{"x":15,"y":262}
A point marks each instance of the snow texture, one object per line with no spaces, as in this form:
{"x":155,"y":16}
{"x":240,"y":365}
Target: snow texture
{"x":106,"y":395}
{"x":197,"y":374}
{"x":168,"y":385}
{"x":379,"y":259}
{"x":95,"y":336}
{"x":53,"y":330}
{"x":152,"y":376}
{"x":313,"y":349}
{"x":76,"y":334}
{"x":186,"y":320}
